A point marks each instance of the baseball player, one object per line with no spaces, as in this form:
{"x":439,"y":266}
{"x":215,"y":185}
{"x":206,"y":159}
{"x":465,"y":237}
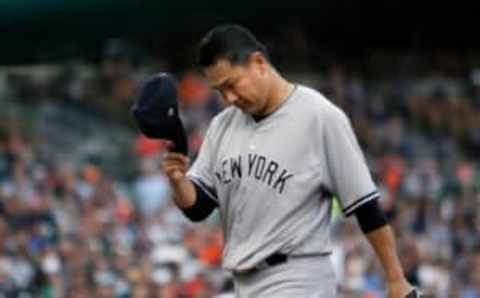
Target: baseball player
{"x":271,"y":163}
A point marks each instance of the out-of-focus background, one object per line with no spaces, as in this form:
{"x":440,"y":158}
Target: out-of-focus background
{"x":85,"y":210}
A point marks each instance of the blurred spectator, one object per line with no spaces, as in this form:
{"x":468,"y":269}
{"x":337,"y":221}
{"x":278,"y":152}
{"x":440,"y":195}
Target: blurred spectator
{"x":151,"y":188}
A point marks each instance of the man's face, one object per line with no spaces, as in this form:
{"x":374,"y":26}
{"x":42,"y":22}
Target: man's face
{"x":244,"y":85}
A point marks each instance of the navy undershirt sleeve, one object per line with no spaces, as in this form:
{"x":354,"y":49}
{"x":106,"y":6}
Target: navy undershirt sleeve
{"x":202,"y":208}
{"x":370,"y":216}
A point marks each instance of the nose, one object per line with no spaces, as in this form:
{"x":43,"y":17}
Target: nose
{"x":230,"y":97}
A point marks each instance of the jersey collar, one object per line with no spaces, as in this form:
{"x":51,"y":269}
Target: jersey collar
{"x":259,"y":118}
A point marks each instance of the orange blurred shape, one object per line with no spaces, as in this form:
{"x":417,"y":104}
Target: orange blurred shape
{"x":194,"y":287}
{"x":394,"y":168}
{"x":92,"y":174}
{"x":211,"y":255}
{"x":392,"y":179}
{"x":192,"y":89}
{"x":145,"y":146}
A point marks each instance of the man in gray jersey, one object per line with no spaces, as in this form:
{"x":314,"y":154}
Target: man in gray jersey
{"x":271,"y":163}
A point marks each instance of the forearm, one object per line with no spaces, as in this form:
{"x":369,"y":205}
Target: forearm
{"x":383,"y":242}
{"x":184,"y":194}
{"x":175,"y":167}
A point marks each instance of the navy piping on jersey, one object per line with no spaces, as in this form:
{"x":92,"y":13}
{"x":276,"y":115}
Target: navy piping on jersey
{"x":208,"y":190}
{"x":371,"y":196}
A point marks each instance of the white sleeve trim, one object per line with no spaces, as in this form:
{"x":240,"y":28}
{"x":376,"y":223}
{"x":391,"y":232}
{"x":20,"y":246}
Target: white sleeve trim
{"x":352,"y":207}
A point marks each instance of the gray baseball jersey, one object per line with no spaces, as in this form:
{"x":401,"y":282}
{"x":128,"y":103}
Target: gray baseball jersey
{"x":272,"y":178}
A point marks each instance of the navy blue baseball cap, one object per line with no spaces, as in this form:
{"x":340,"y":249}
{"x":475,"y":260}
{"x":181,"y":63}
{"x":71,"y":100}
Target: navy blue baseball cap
{"x":156,"y":111}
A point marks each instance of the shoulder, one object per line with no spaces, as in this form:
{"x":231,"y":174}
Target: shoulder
{"x":226,"y":116}
{"x":318,"y":106}
{"x":220,"y":122}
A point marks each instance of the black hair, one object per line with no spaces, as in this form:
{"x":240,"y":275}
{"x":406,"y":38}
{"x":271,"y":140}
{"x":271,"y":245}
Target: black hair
{"x":232,"y":42}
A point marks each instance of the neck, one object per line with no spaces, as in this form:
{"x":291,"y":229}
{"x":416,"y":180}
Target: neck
{"x":279,"y":93}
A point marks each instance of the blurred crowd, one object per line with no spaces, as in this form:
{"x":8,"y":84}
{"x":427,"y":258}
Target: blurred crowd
{"x":73,"y":232}
{"x":70,"y":229}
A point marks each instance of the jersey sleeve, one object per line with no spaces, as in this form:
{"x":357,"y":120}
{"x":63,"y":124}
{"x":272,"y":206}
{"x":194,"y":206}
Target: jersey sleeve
{"x":202,"y":171}
{"x":348,"y":176}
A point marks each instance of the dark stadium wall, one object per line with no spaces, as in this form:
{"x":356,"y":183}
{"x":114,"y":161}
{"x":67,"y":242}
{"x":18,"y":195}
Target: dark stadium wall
{"x":39,"y":31}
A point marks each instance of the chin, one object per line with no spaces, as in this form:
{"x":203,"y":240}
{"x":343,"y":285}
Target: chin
{"x":249,"y":111}
{"x":245,"y":109}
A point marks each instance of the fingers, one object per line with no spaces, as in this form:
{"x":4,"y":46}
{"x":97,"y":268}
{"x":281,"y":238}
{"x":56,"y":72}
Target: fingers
{"x":175,"y":174}
{"x":171,"y":169}
{"x":175,"y":165}
{"x":173,"y":156}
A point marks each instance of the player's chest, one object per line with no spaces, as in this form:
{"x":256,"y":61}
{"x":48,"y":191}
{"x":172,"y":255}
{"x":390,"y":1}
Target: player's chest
{"x":271,"y":152}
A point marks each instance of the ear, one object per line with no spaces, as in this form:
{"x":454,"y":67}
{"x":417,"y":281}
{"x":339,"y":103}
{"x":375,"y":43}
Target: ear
{"x":259,"y":60}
